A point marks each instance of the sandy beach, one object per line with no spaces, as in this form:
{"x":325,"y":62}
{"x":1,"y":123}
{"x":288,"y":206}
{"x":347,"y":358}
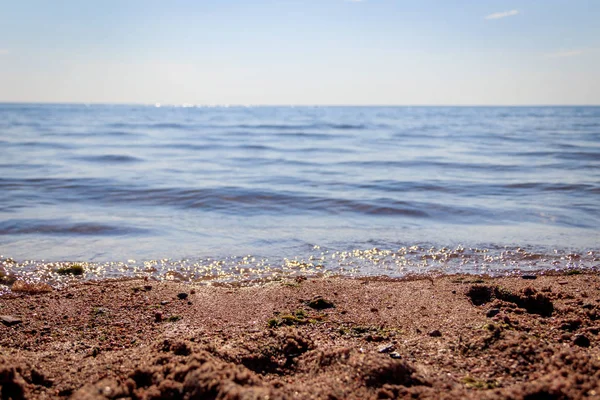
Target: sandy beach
{"x":523,"y":337}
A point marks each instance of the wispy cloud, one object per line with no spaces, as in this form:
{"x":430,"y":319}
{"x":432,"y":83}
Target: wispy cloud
{"x":3,"y":52}
{"x":503,"y":14}
{"x":566,"y":53}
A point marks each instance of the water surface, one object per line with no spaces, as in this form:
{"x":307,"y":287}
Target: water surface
{"x":109,"y":184}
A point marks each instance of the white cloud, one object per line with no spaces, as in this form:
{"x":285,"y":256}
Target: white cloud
{"x":566,"y":53}
{"x":503,"y":14}
{"x":3,"y":52}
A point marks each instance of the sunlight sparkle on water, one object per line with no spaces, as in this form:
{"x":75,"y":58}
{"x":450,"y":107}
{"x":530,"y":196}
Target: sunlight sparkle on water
{"x":250,"y":269}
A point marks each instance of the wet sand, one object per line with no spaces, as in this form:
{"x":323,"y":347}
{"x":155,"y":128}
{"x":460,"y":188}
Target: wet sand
{"x":334,"y":338}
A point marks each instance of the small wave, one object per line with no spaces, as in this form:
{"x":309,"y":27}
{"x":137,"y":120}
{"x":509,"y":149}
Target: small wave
{"x":254,"y":147}
{"x":59,"y":227}
{"x":44,"y":145}
{"x":279,"y":127}
{"x":171,"y":125}
{"x":121,"y":125}
{"x":244,"y":201}
{"x":189,"y":146}
{"x":406,"y":186}
{"x":230,"y":200}
{"x":585,"y":125}
{"x":125,"y":127}
{"x":299,"y":127}
{"x":562,"y":155}
{"x":110,"y":158}
{"x":94,"y":133}
{"x":347,"y":126}
{"x":119,"y":133}
{"x":299,"y":150}
{"x":257,"y":161}
{"x":527,"y":154}
{"x":234,"y":200}
{"x":22,"y":167}
{"x":580,"y":155}
{"x":310,"y":135}
{"x":17,"y":124}
{"x":377,"y":164}
{"x":553,"y":187}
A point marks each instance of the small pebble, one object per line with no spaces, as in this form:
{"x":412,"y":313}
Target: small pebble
{"x":386,"y":348}
{"x":164,"y":303}
{"x":435,"y":333}
{"x":9,"y":320}
{"x":192,"y":291}
{"x":158,"y":316}
{"x":182,"y":296}
{"x":492,"y":312}
{"x":529,"y":277}
{"x":395,"y":354}
{"x":148,"y":287}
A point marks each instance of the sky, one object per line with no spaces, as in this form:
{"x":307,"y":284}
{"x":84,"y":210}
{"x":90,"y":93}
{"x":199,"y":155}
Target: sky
{"x":301,"y":52}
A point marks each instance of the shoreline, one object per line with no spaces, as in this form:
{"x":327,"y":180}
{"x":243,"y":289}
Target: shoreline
{"x":450,"y":336}
{"x":375,"y":262}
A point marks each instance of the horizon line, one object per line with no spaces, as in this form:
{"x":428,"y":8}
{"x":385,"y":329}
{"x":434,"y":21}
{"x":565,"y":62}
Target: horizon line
{"x":225,"y":105}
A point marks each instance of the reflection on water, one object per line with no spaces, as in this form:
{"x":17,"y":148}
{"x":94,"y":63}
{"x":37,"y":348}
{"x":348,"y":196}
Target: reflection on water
{"x":321,"y":262}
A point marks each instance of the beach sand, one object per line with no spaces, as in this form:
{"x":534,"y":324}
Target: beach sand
{"x":330,"y":338}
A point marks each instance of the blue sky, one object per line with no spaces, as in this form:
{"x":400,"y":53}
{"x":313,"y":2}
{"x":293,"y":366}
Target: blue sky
{"x":301,"y":51}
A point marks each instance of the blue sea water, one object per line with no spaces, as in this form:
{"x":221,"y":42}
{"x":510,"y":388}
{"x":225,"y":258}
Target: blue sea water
{"x":375,"y":190}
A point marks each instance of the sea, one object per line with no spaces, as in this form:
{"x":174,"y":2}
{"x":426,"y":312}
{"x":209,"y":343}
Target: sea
{"x":218,"y":194}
